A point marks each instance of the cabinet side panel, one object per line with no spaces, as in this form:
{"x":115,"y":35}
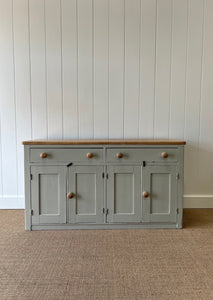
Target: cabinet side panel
{"x":28,"y":221}
{"x":180,"y":187}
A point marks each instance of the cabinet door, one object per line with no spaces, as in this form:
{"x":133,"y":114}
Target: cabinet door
{"x":160,"y":203}
{"x":48,"y":192}
{"x":124,"y":194}
{"x":87,"y":185}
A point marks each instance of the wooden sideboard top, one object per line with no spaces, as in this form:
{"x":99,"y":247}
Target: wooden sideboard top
{"x":106,"y":142}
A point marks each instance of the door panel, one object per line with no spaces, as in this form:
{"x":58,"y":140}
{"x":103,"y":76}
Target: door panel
{"x":87,"y":185}
{"x":48,"y":187}
{"x":123,"y":184}
{"x":123,"y":194}
{"x":161,"y":184}
{"x":160,"y":193}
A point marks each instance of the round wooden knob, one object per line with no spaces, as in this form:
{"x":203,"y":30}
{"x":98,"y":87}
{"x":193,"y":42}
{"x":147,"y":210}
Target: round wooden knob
{"x":119,"y":155}
{"x":89,"y":155}
{"x":70,"y":195}
{"x":164,"y":154}
{"x":145,"y":194}
{"x":43,"y":155}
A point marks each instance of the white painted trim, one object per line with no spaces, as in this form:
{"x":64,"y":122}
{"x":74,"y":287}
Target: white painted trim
{"x":198,"y":201}
{"x":12,"y":202}
{"x":189,"y":201}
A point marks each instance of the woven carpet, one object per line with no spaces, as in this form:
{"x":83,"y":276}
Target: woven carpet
{"x":107,"y":264}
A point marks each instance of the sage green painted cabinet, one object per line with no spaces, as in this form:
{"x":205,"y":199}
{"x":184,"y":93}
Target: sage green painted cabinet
{"x":160,"y":188}
{"x":48,"y":189}
{"x":128,"y":184}
{"x":124,"y":194}
{"x":87,"y":199}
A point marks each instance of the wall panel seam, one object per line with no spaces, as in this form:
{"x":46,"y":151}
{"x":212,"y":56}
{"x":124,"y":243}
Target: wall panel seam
{"x":186,"y":69}
{"x":171,"y":65}
{"x":14,"y":94}
{"x":124,"y":66}
{"x":155,"y":66}
{"x":30,"y":70}
{"x":93,"y":73}
{"x":139,"y":72}
{"x":201,"y":76}
{"x":77,"y":75}
{"x":108,"y":6}
{"x":45,"y":55}
{"x":62,"y":78}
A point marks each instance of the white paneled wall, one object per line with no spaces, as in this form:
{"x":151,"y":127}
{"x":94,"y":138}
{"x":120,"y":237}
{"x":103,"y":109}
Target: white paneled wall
{"x":107,"y":69}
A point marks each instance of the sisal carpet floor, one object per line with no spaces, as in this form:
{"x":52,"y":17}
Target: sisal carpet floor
{"x":107,"y":264}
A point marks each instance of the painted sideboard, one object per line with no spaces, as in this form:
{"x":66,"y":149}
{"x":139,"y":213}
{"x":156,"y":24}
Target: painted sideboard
{"x":103,"y":184}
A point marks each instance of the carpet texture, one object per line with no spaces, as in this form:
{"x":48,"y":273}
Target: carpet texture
{"x":107,"y":264}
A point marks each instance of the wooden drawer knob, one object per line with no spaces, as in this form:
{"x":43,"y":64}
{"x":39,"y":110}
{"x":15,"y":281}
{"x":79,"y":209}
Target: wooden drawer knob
{"x":145,"y":194}
{"x":70,"y":195}
{"x":164,"y":154}
{"x":43,"y":155}
{"x":119,"y":155}
{"x":89,"y":155}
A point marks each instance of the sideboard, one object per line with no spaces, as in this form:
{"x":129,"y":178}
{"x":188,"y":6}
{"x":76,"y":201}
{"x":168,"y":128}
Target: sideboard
{"x":103,"y":184}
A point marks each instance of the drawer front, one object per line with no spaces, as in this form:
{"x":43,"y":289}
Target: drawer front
{"x":125,"y":155}
{"x":86,"y":155}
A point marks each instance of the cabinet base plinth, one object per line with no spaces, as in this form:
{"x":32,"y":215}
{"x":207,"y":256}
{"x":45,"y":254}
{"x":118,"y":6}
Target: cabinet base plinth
{"x":105,"y":226}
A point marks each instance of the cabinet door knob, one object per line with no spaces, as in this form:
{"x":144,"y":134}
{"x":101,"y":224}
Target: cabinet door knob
{"x":43,"y":155}
{"x":89,"y":155}
{"x":164,"y":154}
{"x":70,"y":195}
{"x":119,"y":155}
{"x":145,"y":194}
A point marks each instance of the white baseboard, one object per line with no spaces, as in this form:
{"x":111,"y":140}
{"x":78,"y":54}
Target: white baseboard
{"x":189,"y":201}
{"x":198,"y":201}
{"x":12,"y":202}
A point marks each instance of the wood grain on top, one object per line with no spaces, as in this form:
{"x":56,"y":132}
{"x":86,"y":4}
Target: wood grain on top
{"x":106,"y":142}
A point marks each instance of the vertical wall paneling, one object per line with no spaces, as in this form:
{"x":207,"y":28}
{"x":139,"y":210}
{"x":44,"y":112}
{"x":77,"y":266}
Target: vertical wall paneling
{"x":53,"y":65}
{"x":163,"y":68}
{"x":69,"y":68}
{"x":205,"y":158}
{"x":101,"y":68}
{"x":85,"y":68}
{"x":116,"y":68}
{"x":7,"y":101}
{"x":178,"y":68}
{"x":38,"y":68}
{"x":106,"y":68}
{"x":193,"y":93}
{"x":147,"y":68}
{"x":22,"y":83}
{"x":132,"y":64}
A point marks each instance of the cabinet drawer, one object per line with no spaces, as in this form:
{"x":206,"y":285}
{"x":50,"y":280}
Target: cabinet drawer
{"x":139,"y":155}
{"x":86,"y":155}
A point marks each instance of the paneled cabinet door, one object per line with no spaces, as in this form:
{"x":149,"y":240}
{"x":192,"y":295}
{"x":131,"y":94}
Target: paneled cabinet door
{"x":86,"y":192}
{"x":124,"y":194}
{"x":159,"y":184}
{"x":48,"y":194}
